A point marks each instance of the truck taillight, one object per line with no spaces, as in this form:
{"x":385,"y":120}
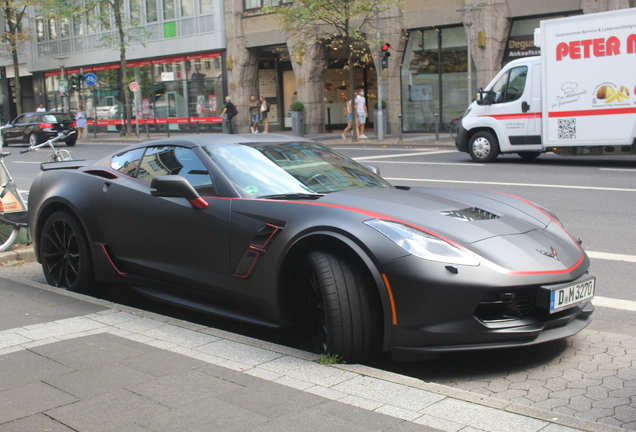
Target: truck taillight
{"x":45,"y":125}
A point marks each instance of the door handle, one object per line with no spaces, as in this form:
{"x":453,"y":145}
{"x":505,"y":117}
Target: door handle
{"x":525,"y":107}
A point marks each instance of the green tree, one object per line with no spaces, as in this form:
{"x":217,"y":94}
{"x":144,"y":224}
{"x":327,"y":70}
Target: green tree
{"x":338,"y":24}
{"x":14,"y":35}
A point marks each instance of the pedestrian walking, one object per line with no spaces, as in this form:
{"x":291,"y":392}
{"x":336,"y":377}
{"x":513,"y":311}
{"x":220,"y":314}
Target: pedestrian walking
{"x":255,"y":113}
{"x":349,"y":114}
{"x":264,"y":111}
{"x":80,"y":123}
{"x":361,"y":112}
{"x":229,"y":112}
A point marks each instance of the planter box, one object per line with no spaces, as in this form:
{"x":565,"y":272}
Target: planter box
{"x":298,"y":123}
{"x":384,"y":122}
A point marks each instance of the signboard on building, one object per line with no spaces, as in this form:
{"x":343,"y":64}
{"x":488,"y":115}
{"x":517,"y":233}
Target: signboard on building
{"x":520,"y":46}
{"x":167,"y":76}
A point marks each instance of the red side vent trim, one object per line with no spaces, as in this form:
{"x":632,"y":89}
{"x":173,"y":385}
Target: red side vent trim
{"x":255,"y":251}
{"x":121,"y":273}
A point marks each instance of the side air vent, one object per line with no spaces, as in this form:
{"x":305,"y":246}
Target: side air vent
{"x":101,"y":173}
{"x":470,"y":214}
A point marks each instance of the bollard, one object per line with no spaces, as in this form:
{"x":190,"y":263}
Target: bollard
{"x":329,"y":120}
{"x":147,"y":132}
{"x":436,"y":127}
{"x":401,"y":125}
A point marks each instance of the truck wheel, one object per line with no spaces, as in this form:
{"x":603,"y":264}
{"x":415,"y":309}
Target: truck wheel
{"x":529,"y":155}
{"x":483,"y":147}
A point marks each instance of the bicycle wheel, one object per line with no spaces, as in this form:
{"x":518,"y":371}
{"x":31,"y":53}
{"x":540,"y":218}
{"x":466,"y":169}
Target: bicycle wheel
{"x":8,"y":235}
{"x":453,"y":127}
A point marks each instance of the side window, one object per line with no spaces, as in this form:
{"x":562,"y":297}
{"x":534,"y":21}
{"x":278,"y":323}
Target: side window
{"x":172,"y":160}
{"x":19,"y":120}
{"x":510,"y":86}
{"x":517,"y":83}
{"x":127,"y":163}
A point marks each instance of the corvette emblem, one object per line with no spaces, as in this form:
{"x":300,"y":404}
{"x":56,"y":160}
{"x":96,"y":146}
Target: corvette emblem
{"x":552,"y":254}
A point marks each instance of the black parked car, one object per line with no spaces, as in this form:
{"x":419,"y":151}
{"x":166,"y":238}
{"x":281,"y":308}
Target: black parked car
{"x":276,"y":231}
{"x":36,"y":127}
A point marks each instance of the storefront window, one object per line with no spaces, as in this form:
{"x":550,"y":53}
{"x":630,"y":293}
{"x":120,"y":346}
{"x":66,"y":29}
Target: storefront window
{"x":168,"y":9}
{"x":151,"y":11}
{"x":39,"y":24}
{"x":187,"y":8}
{"x":434,"y":77}
{"x":52,"y":29}
{"x":78,"y":29}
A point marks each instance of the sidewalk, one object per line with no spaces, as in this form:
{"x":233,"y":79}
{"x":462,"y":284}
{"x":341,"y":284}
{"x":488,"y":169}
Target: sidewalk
{"x":73,"y":362}
{"x":334,"y":138}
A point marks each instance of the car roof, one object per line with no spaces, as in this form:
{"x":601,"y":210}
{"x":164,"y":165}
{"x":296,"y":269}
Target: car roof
{"x":220,"y":139}
{"x":44,"y":112}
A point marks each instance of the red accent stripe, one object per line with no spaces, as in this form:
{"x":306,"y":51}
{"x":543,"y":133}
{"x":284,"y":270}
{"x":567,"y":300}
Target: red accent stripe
{"x":597,"y":112}
{"x":513,"y":116}
{"x":481,"y":259}
{"x":111,"y":261}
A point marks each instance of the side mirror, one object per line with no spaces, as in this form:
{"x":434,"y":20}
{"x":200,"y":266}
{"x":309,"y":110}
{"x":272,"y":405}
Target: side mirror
{"x":374,"y":169}
{"x":484,"y":97}
{"x":174,"y":186}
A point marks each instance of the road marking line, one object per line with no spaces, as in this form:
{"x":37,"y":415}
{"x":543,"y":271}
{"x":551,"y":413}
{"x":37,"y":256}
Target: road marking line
{"x":26,"y":162}
{"x":611,"y":256}
{"x":433,"y":163}
{"x":511,"y":184}
{"x":617,"y":169}
{"x":626,"y":305}
{"x":405,"y":154}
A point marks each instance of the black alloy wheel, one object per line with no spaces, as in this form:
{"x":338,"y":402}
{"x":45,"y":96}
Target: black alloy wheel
{"x":344,"y":315}
{"x":65,"y":253}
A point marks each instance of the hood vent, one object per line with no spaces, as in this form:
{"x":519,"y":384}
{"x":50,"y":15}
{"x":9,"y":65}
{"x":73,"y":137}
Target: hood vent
{"x":470,"y":214}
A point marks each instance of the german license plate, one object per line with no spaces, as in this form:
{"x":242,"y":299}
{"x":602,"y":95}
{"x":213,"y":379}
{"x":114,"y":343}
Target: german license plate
{"x":567,"y":296}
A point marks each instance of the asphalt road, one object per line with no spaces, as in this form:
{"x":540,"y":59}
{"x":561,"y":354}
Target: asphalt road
{"x":592,"y":375}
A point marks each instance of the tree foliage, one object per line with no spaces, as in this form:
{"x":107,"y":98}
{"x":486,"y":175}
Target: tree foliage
{"x":339,"y":24}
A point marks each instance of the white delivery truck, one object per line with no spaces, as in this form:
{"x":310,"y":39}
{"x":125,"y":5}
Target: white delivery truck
{"x":577,"y":98}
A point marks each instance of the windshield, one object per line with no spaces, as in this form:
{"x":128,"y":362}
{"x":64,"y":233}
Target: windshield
{"x":264,"y":169}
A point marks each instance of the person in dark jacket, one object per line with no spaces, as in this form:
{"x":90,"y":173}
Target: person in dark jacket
{"x":229,"y":112}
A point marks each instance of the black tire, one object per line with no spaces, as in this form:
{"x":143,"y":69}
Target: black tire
{"x":8,"y":235}
{"x":529,"y":155}
{"x":65,"y":253}
{"x":483,"y":147}
{"x":33,"y":139}
{"x":71,"y":142}
{"x":344,"y":314}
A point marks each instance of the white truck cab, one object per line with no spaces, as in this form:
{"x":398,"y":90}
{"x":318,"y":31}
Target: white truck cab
{"x":577,"y":98}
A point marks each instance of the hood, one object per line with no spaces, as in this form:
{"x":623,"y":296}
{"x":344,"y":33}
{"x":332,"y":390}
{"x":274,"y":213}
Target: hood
{"x":463,"y":216}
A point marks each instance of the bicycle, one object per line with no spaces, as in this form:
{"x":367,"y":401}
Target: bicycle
{"x":455,"y":124}
{"x":13,"y":208}
{"x":56,"y":155}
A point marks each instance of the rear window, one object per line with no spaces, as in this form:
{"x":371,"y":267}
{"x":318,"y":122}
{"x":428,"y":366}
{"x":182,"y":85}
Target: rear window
{"x":56,"y":118}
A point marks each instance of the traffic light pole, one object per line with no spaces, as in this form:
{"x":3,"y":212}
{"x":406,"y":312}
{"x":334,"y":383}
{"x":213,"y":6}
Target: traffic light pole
{"x":380,"y":115}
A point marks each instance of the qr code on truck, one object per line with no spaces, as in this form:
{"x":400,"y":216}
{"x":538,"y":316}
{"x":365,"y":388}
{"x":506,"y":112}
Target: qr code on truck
{"x":567,"y":128}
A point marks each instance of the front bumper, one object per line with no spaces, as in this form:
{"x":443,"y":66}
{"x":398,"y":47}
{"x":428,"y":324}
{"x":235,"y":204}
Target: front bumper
{"x":440,"y":311}
{"x":460,"y":139}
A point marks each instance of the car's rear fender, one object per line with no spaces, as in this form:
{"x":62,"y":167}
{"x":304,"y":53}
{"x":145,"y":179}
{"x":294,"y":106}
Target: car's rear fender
{"x":337,"y":243}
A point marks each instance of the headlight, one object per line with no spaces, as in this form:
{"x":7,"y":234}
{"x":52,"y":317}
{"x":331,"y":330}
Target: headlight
{"x":422,"y":244}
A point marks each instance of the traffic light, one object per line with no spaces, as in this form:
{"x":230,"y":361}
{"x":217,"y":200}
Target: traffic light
{"x":384,"y":57}
{"x":76,"y":81}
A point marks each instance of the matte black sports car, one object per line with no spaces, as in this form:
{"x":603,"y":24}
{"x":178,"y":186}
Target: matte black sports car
{"x":36,"y":127}
{"x":280,"y":231}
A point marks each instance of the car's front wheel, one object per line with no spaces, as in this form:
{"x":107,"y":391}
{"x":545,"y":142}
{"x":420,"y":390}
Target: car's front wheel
{"x":33,"y":139}
{"x":483,"y":147}
{"x":65,"y":253}
{"x":344,"y":315}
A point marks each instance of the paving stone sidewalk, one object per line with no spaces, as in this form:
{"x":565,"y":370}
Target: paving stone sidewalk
{"x":71,"y":362}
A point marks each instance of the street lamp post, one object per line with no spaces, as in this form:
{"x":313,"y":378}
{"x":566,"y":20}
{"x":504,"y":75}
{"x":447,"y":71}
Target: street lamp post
{"x":468,"y":22}
{"x":61,"y":59}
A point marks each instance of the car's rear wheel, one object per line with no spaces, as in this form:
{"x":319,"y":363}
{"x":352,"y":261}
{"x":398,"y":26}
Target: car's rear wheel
{"x":483,"y":147}
{"x":33,"y":139}
{"x":529,"y":155}
{"x":65,"y":253}
{"x":344,"y":315}
{"x":8,"y":235}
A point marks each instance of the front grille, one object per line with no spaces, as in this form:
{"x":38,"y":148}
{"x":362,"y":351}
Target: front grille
{"x":505,"y":305}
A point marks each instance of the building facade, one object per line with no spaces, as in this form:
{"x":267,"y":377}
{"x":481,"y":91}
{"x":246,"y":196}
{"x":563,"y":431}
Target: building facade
{"x":189,"y":54}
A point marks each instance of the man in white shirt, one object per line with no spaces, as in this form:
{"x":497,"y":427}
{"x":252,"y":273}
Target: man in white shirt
{"x":361,"y":113}
{"x":40,"y":108}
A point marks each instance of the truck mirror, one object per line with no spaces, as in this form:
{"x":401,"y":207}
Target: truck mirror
{"x":484,"y":97}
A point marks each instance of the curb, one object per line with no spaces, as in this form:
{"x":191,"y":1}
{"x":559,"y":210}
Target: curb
{"x":22,"y":254}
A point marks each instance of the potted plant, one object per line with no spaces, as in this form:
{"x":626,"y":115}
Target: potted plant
{"x":298,"y":118}
{"x":375,"y":117}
